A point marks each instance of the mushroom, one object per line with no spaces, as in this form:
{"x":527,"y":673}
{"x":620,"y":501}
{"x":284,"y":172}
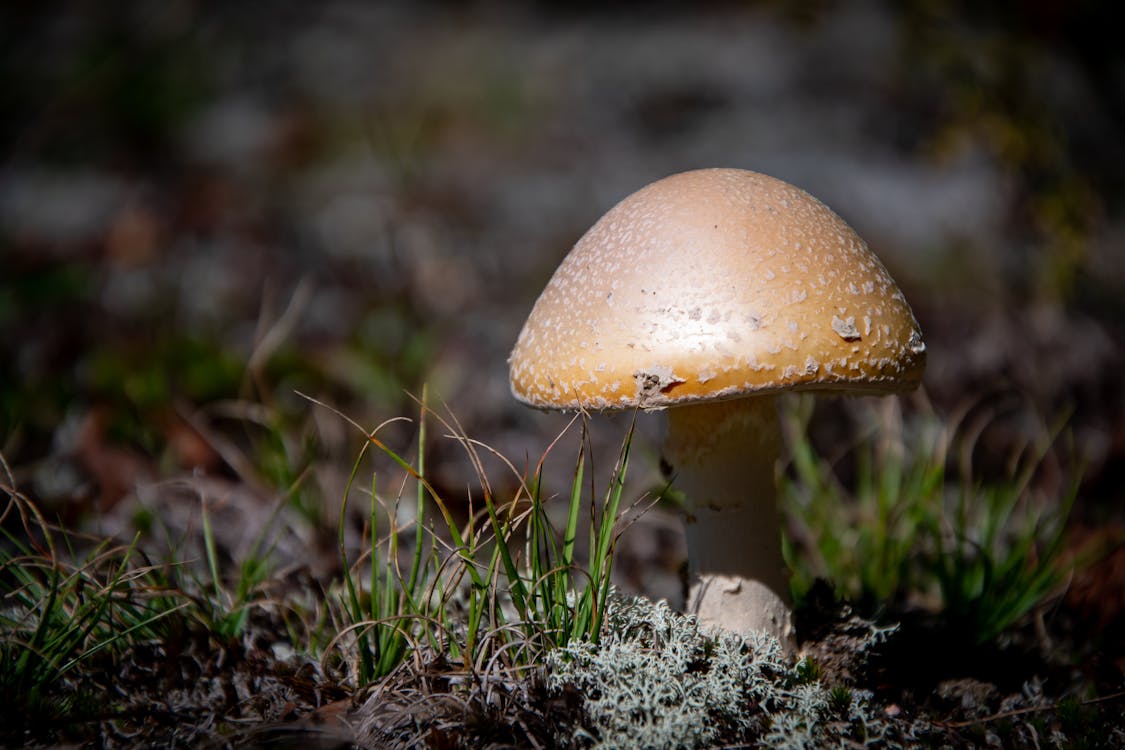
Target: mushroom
{"x":708,"y":293}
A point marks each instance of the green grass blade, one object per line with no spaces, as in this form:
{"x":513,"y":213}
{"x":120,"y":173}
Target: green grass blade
{"x":571,"y":533}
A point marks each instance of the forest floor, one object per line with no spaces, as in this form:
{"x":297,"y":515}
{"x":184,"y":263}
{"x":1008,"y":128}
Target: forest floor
{"x":221,"y":232}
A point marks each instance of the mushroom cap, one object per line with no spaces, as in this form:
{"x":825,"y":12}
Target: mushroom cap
{"x":715,"y":284}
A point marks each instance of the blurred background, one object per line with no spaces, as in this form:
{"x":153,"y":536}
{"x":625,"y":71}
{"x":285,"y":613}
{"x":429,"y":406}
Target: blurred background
{"x":210,"y":208}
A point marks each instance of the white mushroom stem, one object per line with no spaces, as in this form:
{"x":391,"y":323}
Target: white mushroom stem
{"x":723,"y":456}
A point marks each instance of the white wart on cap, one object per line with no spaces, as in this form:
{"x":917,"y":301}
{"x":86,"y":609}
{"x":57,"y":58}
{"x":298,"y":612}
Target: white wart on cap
{"x":710,"y":285}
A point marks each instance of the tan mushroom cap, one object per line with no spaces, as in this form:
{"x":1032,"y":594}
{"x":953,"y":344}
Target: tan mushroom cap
{"x":710,"y":285}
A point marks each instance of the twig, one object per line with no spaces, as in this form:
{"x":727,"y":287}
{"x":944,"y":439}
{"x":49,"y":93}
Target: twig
{"x":1026,"y":710}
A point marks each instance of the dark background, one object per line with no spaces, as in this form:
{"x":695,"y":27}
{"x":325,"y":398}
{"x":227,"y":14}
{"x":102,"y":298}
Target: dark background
{"x":208,"y":207}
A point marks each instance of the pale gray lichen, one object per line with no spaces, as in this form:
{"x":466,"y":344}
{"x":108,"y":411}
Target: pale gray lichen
{"x":659,"y":680}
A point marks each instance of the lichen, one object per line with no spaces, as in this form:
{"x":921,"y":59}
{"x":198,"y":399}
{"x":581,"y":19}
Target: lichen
{"x":658,"y":679}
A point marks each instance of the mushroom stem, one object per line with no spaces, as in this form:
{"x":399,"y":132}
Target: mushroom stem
{"x":724,"y":455}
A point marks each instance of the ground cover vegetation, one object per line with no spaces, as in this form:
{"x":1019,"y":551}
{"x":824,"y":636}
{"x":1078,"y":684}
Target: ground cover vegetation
{"x":497,"y":626}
